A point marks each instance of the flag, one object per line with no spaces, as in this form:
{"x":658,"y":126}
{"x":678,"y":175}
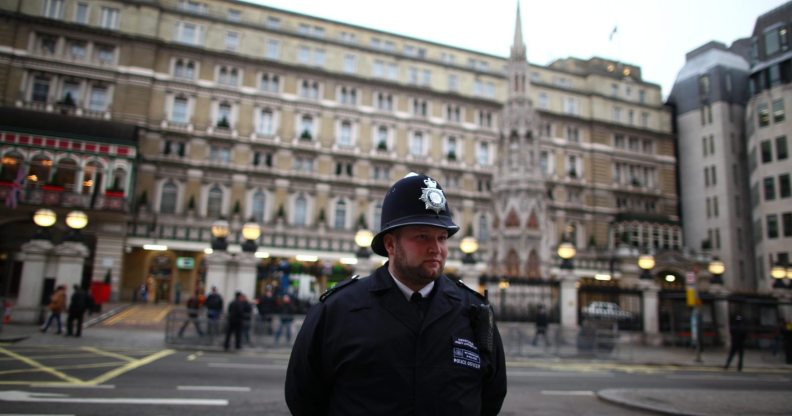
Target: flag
{"x":12,"y":199}
{"x":613,"y":33}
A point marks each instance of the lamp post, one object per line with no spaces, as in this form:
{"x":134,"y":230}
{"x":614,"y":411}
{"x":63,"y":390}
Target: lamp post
{"x":251,"y":231}
{"x":778,"y":272}
{"x":716,"y":269}
{"x":220,"y":232}
{"x":569,"y":295}
{"x":43,"y":218}
{"x":363,"y":238}
{"x":469,"y":245}
{"x":76,"y":220}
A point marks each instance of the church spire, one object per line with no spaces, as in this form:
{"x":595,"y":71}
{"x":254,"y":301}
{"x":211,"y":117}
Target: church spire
{"x":518,"y":47}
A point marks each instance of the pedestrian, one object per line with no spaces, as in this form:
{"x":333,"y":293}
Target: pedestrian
{"x":56,"y":306}
{"x":236,"y":312}
{"x":738,"y":334}
{"x":286,"y":311}
{"x":541,"y":326}
{"x":247,"y":318}
{"x":78,"y":303}
{"x":193,"y":312}
{"x":214,"y":308}
{"x":266,"y":308}
{"x":407,"y":339}
{"x":143,"y":291}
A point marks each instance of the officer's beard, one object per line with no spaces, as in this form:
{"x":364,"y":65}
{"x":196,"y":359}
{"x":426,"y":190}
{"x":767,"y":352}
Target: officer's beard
{"x":415,"y":276}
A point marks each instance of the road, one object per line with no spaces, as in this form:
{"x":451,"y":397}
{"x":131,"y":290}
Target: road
{"x":80,"y":380}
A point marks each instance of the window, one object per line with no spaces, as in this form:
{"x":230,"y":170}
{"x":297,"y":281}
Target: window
{"x":258,"y":206}
{"x":81,"y":13}
{"x":426,"y":77}
{"x":219,"y":154}
{"x":309,"y":89}
{"x":214,"y":202}
{"x":384,"y":101}
{"x":417,"y":144}
{"x":451,"y":149}
{"x":642,"y":96}
{"x":266,"y":124}
{"x":319,"y":57}
{"x":784,"y":188}
{"x":572,"y":134}
{"x":381,"y":138}
{"x":772,"y":41}
{"x":570,"y":105}
{"x":71,"y":89}
{"x":224,"y":119}
{"x":347,"y":95}
{"x":412,"y":75}
{"x":483,"y":154}
{"x":303,"y":164}
{"x":98,"y":98}
{"x":544,"y":162}
{"x":347,"y":37}
{"x":105,"y":54}
{"x":453,"y":82}
{"x":778,"y":110}
{"x":234,"y":15}
{"x":382,"y":173}
{"x":772,"y":226}
{"x":419,"y":107}
{"x":272,"y":49}
{"x":447,"y":57}
{"x":53,"y":9}
{"x":228,"y":76}
{"x":618,"y":141}
{"x":764,"y":114}
{"x":300,"y":210}
{"x":179,"y":112}
{"x":232,"y":41}
{"x":617,"y":114}
{"x":543,"y":100}
{"x":350,"y":63}
{"x":340,"y":215}
{"x":781,"y":148}
{"x":269,"y":83}
{"x":168,"y":198}
{"x":453,"y":113}
{"x":704,"y":86}
{"x":183,"y":68}
{"x":189,"y":33}
{"x":786,"y":219}
{"x":306,"y":127}
{"x":769,"y":188}
{"x":483,"y":228}
{"x":767,"y":151}
{"x":109,"y":18}
{"x":193,"y":6}
{"x":484,"y":118}
{"x":345,"y":134}
{"x":272,"y":22}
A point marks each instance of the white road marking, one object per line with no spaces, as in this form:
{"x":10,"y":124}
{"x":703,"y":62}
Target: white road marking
{"x":26,"y":396}
{"x":717,"y":377}
{"x":28,"y":414}
{"x":71,"y":386}
{"x":568,"y":392}
{"x":213,"y":388}
{"x":249,"y":366}
{"x":557,"y":374}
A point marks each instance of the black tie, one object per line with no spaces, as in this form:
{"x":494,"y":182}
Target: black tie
{"x":418,"y":301}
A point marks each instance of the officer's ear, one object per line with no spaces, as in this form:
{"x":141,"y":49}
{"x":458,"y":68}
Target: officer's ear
{"x":389,"y":241}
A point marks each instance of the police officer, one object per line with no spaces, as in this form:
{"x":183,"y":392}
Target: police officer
{"x":406,"y":340}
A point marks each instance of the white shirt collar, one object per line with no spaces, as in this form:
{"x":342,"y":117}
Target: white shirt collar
{"x":407,"y":292}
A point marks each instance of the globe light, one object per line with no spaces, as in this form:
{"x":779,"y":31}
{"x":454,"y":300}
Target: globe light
{"x":45,"y":217}
{"x":363,"y":238}
{"x":469,"y":245}
{"x":220,"y":229}
{"x":716,"y":267}
{"x":646,"y":262}
{"x":778,"y":271}
{"x":76,"y":220}
{"x":251,"y":231}
{"x":566,"y":250}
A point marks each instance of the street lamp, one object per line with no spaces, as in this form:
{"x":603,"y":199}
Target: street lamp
{"x":567,"y":252}
{"x":363,"y":238}
{"x":220,"y":232}
{"x":646,"y":262}
{"x":251,"y":231}
{"x":76,"y":220}
{"x":44,"y":218}
{"x":716,"y":269}
{"x":469,"y":245}
{"x":779,"y":272}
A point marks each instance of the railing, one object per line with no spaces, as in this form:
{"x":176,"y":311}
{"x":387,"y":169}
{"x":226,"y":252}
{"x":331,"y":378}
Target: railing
{"x":60,"y":197}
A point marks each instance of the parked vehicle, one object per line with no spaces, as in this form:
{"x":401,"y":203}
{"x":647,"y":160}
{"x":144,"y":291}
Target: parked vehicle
{"x":605,"y":310}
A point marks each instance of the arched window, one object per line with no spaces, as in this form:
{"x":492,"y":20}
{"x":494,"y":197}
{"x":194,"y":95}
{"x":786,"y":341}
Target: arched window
{"x":300,"y":210}
{"x":66,"y":173}
{"x":483,"y":228}
{"x":340,"y":214}
{"x":168,"y":198}
{"x":214,"y":203}
{"x":92,"y":177}
{"x":12,"y":162}
{"x":119,"y":179}
{"x":345,"y":134}
{"x":259,"y":203}
{"x":533,"y":265}
{"x":266,"y":122}
{"x":40,"y":169}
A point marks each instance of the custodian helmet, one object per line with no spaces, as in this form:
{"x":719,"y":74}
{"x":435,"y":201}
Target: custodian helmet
{"x":413,"y":200}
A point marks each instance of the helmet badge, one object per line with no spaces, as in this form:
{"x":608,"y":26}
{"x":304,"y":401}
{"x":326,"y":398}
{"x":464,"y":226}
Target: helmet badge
{"x":432,"y":196}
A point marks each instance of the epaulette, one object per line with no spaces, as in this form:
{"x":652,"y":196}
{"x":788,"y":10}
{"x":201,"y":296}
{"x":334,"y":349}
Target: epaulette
{"x":338,"y":287}
{"x":471,"y":290}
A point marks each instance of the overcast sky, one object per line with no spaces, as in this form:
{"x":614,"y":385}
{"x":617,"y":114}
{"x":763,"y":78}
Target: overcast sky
{"x":652,"y":34}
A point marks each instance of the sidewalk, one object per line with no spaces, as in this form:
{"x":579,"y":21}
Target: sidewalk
{"x":519,"y":351}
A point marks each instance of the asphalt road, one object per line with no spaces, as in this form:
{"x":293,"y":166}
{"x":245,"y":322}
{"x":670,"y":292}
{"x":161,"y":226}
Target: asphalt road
{"x":79,"y":380}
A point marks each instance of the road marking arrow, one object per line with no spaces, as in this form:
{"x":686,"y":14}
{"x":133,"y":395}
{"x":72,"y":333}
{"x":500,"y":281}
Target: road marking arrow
{"x":26,"y":396}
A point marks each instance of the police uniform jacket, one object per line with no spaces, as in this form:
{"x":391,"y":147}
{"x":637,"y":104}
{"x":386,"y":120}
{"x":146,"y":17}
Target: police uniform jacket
{"x":366,"y":351}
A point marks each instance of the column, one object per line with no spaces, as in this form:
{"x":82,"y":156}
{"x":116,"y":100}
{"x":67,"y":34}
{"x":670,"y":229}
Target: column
{"x":246,"y":275}
{"x":217,"y":273}
{"x":651,"y":327}
{"x":363,"y":267}
{"x":470,"y":276}
{"x":34,"y":256}
{"x":721,"y":311}
{"x":569,"y":300}
{"x":69,"y":260}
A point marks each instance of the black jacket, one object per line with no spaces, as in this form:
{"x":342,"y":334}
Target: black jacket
{"x":364,"y":351}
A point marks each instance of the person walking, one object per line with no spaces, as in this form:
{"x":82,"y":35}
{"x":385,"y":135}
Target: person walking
{"x":286,"y":310}
{"x":78,"y":303}
{"x":214,"y":308}
{"x":247,"y":318}
{"x":193,"y":312}
{"x":407,"y":339}
{"x":56,"y":306}
{"x":541,"y":326}
{"x":236,"y":313}
{"x":738,"y":335}
{"x":266,"y":308}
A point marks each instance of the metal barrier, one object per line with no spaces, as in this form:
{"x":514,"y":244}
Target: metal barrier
{"x":199,"y":332}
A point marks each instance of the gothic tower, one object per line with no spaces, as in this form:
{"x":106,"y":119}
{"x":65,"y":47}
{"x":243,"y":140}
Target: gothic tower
{"x":518,"y":183}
